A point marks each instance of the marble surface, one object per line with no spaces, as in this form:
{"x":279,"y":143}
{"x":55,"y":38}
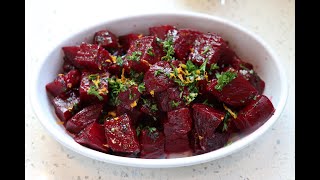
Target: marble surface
{"x":271,"y":157}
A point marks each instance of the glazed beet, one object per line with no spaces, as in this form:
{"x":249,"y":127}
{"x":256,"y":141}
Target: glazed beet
{"x":158,"y":82}
{"x":120,"y":134}
{"x":207,"y":46}
{"x":238,"y":92}
{"x":105,"y":39}
{"x":93,"y":136}
{"x":94,"y":87}
{"x":66,"y":105}
{"x":152,"y":144}
{"x":83,"y":118}
{"x":255,"y":114}
{"x":169,"y":93}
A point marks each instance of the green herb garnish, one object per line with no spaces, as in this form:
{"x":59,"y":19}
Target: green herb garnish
{"x":119,"y":61}
{"x":141,"y":87}
{"x":135,"y":56}
{"x":93,"y":91}
{"x":225,"y":121}
{"x":157,"y":72}
{"x":154,"y":108}
{"x":93,"y":76}
{"x":168,"y":49}
{"x":214,"y":66}
{"x":207,"y":48}
{"x":224,"y":79}
{"x":150,"y":51}
{"x":174,"y":104}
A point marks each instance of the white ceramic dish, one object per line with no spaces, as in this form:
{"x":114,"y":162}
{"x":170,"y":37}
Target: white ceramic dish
{"x":247,"y":45}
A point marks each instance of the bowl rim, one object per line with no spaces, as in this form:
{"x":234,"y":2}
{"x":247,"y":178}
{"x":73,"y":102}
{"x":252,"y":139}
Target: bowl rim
{"x":163,"y":163}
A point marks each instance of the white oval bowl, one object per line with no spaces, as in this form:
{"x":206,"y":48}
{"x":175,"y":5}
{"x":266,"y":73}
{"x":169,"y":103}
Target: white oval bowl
{"x":247,"y":45}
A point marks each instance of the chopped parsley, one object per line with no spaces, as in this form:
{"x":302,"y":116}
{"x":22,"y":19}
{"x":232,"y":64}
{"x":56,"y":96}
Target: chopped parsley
{"x":135,"y":56}
{"x":225,"y":121}
{"x":150,"y":51}
{"x":141,"y":87}
{"x":157,"y":72}
{"x":174,"y":104}
{"x":207,"y":48}
{"x":93,"y":76}
{"x":154,"y":108}
{"x":214,"y":66}
{"x":224,"y":78}
{"x":168,"y":48}
{"x":93,"y":91}
{"x":119,"y":61}
{"x":151,"y":129}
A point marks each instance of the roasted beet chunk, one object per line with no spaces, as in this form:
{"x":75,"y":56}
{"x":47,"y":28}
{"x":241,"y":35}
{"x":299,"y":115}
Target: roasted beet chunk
{"x":93,"y":136}
{"x":83,"y":118}
{"x":207,"y":47}
{"x":91,"y":57}
{"x":256,"y":113}
{"x":133,"y":113}
{"x":156,"y":79}
{"x":67,"y":66}
{"x":232,"y":88}
{"x":142,"y":53}
{"x":70,"y":52}
{"x":160,"y":31}
{"x":177,"y":144}
{"x":182,"y":42}
{"x":67,"y":105}
{"x":194,"y":143}
{"x":218,"y":140}
{"x":64,"y":82}
{"x":170,"y":99}
{"x":129,"y":98}
{"x":152,"y":143}
{"x":179,"y":122}
{"x":253,"y":78}
{"x":94,"y":87}
{"x":105,"y":39}
{"x":126,"y":40}
{"x":206,"y":120}
{"x":120,"y":134}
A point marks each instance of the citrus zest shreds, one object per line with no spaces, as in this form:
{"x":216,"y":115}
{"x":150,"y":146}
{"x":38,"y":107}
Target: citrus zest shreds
{"x":96,"y":81}
{"x":133,"y":104}
{"x":112,"y":113}
{"x":152,"y":93}
{"x":114,"y":59}
{"x":123,"y":78}
{"x":108,"y":60}
{"x":234,"y":115}
{"x":60,"y":122}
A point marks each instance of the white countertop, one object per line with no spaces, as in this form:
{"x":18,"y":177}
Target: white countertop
{"x":271,"y":157}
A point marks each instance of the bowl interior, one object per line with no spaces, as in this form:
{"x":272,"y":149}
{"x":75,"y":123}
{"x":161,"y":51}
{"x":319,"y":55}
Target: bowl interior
{"x":248,"y":46}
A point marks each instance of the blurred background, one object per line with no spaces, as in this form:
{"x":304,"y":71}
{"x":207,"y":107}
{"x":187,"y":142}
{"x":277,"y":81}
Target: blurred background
{"x":271,"y":157}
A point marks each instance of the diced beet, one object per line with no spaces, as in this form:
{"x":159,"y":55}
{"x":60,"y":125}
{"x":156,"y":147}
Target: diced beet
{"x":93,"y":136}
{"x":152,"y":144}
{"x":57,"y":86}
{"x":177,"y":144}
{"x":145,"y":52}
{"x":256,"y":113}
{"x":105,"y":39}
{"x":158,"y":82}
{"x":64,"y":82}
{"x":149,"y":106}
{"x":160,"y":31}
{"x":170,"y":99}
{"x":120,"y":134}
{"x":129,"y":98}
{"x":133,"y":113}
{"x":179,"y":123}
{"x":218,"y":140}
{"x":83,"y":118}
{"x":238,"y":92}
{"x":126,"y":40}
{"x":253,"y":78}
{"x":67,"y":105}
{"x":207,"y":46}
{"x":194,"y":143}
{"x":206,"y":120}
{"x":88,"y":87}
{"x":92,"y":57}
{"x":182,"y":42}
{"x":67,"y":65}
{"x":70,"y":52}
{"x":72,"y":78}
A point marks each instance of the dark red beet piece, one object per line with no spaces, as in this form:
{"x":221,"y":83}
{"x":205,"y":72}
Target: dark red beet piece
{"x":126,"y":40}
{"x":70,"y":52}
{"x":152,"y":144}
{"x":92,"y":57}
{"x":67,"y":66}
{"x":207,"y":46}
{"x":256,"y":113}
{"x":158,"y":82}
{"x":120,"y":134}
{"x":64,"y":82}
{"x":65,"y":106}
{"x":206,"y":120}
{"x":83,"y":118}
{"x":170,"y":99}
{"x":218,"y":140}
{"x":142,"y":53}
{"x":177,"y":144}
{"x":93,"y":136}
{"x":238,"y":92}
{"x":134,"y":113}
{"x":179,"y":123}
{"x":253,"y":78}
{"x":160,"y":31}
{"x":105,"y":39}
{"x":129,"y":98}
{"x":89,"y":92}
{"x":182,"y":42}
